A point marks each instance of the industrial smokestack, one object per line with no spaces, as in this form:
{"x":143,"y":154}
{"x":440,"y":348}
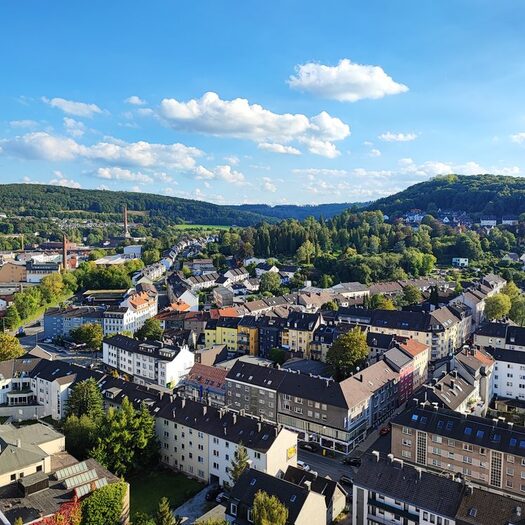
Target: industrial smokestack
{"x":126,"y":228}
{"x":64,"y":253}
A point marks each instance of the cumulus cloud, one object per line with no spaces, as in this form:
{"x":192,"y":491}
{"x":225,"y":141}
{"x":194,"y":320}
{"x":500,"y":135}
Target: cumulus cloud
{"x":71,"y":107}
{"x":135,"y":101}
{"x":116,"y":173}
{"x":268,"y":185}
{"x":346,"y":82}
{"x":73,"y":127}
{"x":278,"y":148}
{"x":227,"y":174}
{"x":239,"y":119}
{"x":232,"y":159}
{"x":432,"y":168}
{"x":374,"y":152}
{"x":519,"y":138}
{"x":45,"y":146}
{"x":60,"y":180}
{"x":397,"y":137}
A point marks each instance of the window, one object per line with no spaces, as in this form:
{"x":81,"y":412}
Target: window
{"x":250,"y":516}
{"x":233,"y":509}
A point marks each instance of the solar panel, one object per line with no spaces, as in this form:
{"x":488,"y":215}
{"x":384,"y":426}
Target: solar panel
{"x":81,"y":479}
{"x":83,"y":490}
{"x":71,"y":471}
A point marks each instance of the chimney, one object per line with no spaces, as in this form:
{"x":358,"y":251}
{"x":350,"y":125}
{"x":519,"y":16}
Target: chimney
{"x":419,"y":472}
{"x":64,"y":253}
{"x":375,"y":453}
{"x":19,"y":443}
{"x":234,"y":418}
{"x":183,"y":402}
{"x":390,"y":457}
{"x":259,"y":426}
{"x":126,"y":229}
{"x":469,"y":490}
{"x":204,"y":410}
{"x":308,"y":485}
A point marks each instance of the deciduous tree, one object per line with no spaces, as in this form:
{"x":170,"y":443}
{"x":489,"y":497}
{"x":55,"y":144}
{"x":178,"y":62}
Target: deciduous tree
{"x":268,"y":510}
{"x":10,"y":347}
{"x":497,"y":306}
{"x":347,"y":352}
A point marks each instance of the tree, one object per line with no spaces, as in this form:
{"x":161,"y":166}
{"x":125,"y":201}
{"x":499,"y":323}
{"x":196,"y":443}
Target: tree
{"x":268,"y":510}
{"x":141,"y":518}
{"x":12,"y":318}
{"x":347,"y":352}
{"x":90,"y":334}
{"x":330,"y":305}
{"x":326,"y":281}
{"x":380,"y":302}
{"x":10,"y":347}
{"x":213,"y":521}
{"x":412,"y":295}
{"x":19,"y":521}
{"x":277,"y":355}
{"x":151,"y":256}
{"x":151,"y":329}
{"x":270,"y":282}
{"x":51,"y":286}
{"x":126,"y":438}
{"x":511,"y":290}
{"x":86,"y":399}
{"x":81,"y":434}
{"x":305,"y":252}
{"x":497,"y":306}
{"x":164,"y":515}
{"x":104,"y":505}
{"x":517,"y":310}
{"x":239,"y":463}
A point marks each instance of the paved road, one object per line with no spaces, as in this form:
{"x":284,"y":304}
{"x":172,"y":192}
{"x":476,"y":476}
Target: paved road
{"x":326,"y":466}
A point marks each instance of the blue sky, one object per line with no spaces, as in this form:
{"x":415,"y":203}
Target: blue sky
{"x":274,"y":102}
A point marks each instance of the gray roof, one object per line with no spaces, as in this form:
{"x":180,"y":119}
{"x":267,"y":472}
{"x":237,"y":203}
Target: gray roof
{"x":405,"y":483}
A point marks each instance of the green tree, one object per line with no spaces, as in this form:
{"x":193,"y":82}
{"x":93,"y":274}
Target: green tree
{"x":10,"y":347}
{"x":90,"y":334}
{"x":81,"y":433}
{"x":277,"y":355}
{"x":104,"y":505}
{"x":511,"y":290}
{"x":28,"y":301}
{"x":239,"y":463}
{"x":19,"y":521}
{"x":141,"y":518}
{"x":380,"y":302}
{"x":52,"y":287}
{"x":497,"y":306}
{"x":12,"y":318}
{"x":268,"y":510}
{"x":164,"y":515}
{"x":151,"y":256}
{"x":86,"y":399}
{"x":126,"y":439}
{"x":517,"y":310}
{"x":270,"y":282}
{"x":151,"y":329}
{"x":347,"y":352}
{"x":330,"y":305}
{"x":412,"y":295}
{"x":305,"y":252}
{"x":212,"y":521}
{"x":326,"y":281}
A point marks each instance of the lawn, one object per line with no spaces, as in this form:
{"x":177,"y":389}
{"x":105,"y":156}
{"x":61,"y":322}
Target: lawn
{"x":148,"y":488}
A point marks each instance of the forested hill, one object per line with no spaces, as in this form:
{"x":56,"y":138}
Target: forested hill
{"x":41,"y":200}
{"x":475,"y":194}
{"x":294,"y":211}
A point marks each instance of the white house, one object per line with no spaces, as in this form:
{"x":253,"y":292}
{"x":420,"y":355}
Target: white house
{"x":508,"y":377}
{"x":149,"y":361}
{"x":460,"y":262}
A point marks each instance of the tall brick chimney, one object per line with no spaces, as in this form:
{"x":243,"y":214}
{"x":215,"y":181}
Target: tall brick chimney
{"x":64,"y":253}
{"x":126,"y":228}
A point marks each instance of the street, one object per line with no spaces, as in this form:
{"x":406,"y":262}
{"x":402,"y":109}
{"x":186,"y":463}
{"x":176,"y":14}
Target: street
{"x":326,"y":466}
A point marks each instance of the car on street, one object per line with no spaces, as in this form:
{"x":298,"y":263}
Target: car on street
{"x":213,"y":493}
{"x":384,"y":431}
{"x":312,"y":447}
{"x":345,"y":480}
{"x":303,"y":465}
{"x":221,"y":498}
{"x":353,"y":462}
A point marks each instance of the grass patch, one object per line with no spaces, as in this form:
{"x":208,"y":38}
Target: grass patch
{"x":147,"y":489}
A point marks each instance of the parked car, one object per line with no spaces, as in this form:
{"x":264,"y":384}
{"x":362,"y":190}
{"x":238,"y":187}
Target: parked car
{"x":353,"y":462}
{"x":303,"y":465}
{"x":312,"y":447}
{"x":213,"y":493}
{"x":345,"y":480}
{"x":384,"y":431}
{"x":221,"y":498}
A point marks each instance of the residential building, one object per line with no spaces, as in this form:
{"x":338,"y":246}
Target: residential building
{"x":59,"y":322}
{"x":222,"y":331}
{"x":305,"y":506}
{"x":36,"y":271}
{"x":403,"y":364}
{"x":264,"y":267}
{"x":489,"y":221}
{"x":201,"y":266}
{"x":148,"y":361}
{"x":421,"y":357}
{"x":248,"y":335}
{"x":13,"y":272}
{"x":387,"y":490}
{"x":486,"y":452}
{"x":298,"y":332}
{"x":460,"y":262}
{"x":508,"y":378}
{"x":270,"y":329}
{"x":501,"y":336}
{"x":378,"y":344}
{"x":223,"y":296}
{"x":179,"y":292}
{"x":201,"y":440}
{"x":206,"y":384}
{"x":510,"y":220}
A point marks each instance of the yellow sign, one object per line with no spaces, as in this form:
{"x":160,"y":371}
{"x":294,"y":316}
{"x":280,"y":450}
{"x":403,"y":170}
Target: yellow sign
{"x":291,"y":452}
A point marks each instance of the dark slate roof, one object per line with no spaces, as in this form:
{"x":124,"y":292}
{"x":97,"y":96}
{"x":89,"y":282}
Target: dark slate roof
{"x":314,"y":388}
{"x":480,"y":507}
{"x":378,"y":340}
{"x":402,"y":320}
{"x":116,"y":389}
{"x":324,"y":486}
{"x":251,"y":481}
{"x":150,"y":348}
{"x":227,"y":322}
{"x":249,"y":321}
{"x":251,"y":432}
{"x":326,"y":334}
{"x":251,"y":374}
{"x":21,"y":367}
{"x":402,"y":482}
{"x":515,"y":335}
{"x":302,"y":321}
{"x":63,"y":372}
{"x":449,"y":392}
{"x":510,"y":356}
{"x":480,"y":431}
{"x":493,"y":330}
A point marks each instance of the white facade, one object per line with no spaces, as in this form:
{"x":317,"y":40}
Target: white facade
{"x":132,"y":314}
{"x":508,"y":380}
{"x":460,"y":262}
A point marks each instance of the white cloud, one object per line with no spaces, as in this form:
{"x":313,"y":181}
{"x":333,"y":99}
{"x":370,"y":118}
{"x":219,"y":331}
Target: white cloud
{"x":346,"y":82}
{"x":71,"y":107}
{"x":44,"y":146}
{"x":23,"y":123}
{"x":203,"y":173}
{"x":60,"y":180}
{"x":227,"y":174}
{"x":232,"y":159}
{"x":278,"y":148}
{"x":115,"y":173}
{"x":519,"y":138}
{"x":397,"y":137}
{"x":432,"y":168}
{"x":135,"y":101}
{"x":74,"y":127}
{"x":268,"y":185}
{"x":136,"y":188}
{"x":374,"y":152}
{"x":325,"y":172}
{"x":239,"y":119}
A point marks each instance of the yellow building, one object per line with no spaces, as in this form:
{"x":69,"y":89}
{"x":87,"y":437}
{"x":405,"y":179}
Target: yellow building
{"x":248,"y":335}
{"x":298,"y":333}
